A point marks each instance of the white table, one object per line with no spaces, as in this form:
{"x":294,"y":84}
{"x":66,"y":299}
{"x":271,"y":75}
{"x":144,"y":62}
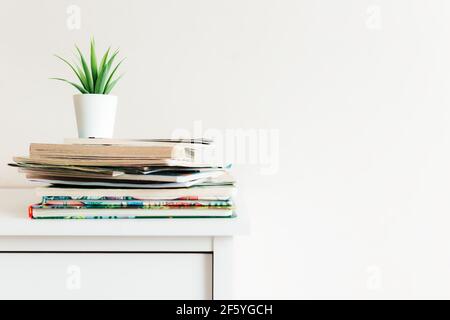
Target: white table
{"x":113,"y":259}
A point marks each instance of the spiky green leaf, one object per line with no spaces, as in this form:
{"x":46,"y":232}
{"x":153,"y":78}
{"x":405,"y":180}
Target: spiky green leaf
{"x":111,"y":85}
{"x":87,"y":72}
{"x":82,"y":77}
{"x":78,"y":72}
{"x":94,"y":67}
{"x":80,"y":88}
{"x":104,"y":60}
{"x":101,"y":70}
{"x":112,"y":74}
{"x":104,"y":75}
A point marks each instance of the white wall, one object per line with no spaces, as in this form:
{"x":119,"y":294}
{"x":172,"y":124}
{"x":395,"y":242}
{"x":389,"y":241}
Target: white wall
{"x":357,"y":89}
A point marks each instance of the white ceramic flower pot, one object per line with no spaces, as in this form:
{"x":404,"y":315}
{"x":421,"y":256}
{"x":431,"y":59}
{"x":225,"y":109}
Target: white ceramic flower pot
{"x":96,"y":115}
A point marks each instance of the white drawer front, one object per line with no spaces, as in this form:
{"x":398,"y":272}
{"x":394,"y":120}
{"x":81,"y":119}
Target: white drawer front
{"x":105,"y":276}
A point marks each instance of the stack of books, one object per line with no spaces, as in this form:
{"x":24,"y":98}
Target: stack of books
{"x":112,"y":179}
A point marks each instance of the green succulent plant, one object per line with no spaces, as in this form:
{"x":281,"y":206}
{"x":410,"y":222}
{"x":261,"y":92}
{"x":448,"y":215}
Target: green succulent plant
{"x":96,"y":78}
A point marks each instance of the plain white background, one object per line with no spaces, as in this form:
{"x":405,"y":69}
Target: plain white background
{"x":357,"y":90}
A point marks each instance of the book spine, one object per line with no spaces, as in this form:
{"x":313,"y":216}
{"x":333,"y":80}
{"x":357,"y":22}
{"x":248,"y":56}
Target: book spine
{"x":90,"y":151}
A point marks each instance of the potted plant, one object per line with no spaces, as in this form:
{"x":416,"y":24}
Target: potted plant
{"x":95,"y":107}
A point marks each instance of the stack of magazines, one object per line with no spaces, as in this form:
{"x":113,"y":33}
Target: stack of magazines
{"x":112,"y":179}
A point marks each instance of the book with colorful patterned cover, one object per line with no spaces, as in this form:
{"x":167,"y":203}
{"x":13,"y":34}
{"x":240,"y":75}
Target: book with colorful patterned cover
{"x":67,"y":208}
